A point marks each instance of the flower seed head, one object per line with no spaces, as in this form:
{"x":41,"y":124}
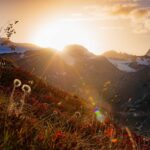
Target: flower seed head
{"x":26,"y":88}
{"x":17,"y":83}
{"x":77,"y":114}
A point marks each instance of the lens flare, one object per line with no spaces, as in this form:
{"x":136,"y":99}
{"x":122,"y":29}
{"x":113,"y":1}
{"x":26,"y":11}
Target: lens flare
{"x":100,"y":117}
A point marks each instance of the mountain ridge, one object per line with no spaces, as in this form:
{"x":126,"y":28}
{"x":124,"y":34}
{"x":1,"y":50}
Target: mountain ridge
{"x":111,"y":83}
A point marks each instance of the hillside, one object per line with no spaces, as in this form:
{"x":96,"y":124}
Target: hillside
{"x":54,"y":119}
{"x":97,"y":79}
{"x":68,"y":71}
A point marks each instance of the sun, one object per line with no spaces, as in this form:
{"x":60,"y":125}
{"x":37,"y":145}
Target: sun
{"x":58,"y":35}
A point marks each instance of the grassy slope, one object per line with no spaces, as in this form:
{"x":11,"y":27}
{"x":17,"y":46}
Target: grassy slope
{"x":50,"y":120}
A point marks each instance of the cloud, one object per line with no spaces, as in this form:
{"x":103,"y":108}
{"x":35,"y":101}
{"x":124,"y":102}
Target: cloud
{"x":122,"y":9}
{"x":140,"y":29}
{"x":139,"y":17}
{"x":138,"y":14}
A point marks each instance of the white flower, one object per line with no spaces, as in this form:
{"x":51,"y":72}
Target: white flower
{"x":26,"y":88}
{"x":17,"y":83}
{"x":77,"y":114}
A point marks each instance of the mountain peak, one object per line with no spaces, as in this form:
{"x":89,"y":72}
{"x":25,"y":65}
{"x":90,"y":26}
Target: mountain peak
{"x":118,"y":55}
{"x":76,"y":50}
{"x":148,"y":53}
{"x":110,"y":53}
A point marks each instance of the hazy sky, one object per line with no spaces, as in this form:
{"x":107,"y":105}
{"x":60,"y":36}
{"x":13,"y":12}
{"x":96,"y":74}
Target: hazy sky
{"x":99,"y":25}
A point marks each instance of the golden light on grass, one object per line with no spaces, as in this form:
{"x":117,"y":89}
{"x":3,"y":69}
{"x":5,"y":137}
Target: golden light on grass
{"x":62,"y":33}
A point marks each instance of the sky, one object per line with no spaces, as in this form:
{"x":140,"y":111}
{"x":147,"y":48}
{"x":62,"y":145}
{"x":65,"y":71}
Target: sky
{"x":99,"y":25}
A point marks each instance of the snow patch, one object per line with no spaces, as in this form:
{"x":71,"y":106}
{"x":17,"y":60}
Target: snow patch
{"x":142,"y":61}
{"x":122,"y":65}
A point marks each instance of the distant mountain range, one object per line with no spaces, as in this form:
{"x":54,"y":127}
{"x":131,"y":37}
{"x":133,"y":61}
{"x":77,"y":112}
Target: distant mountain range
{"x":7,"y":46}
{"x":118,"y":82}
{"x":126,"y":62}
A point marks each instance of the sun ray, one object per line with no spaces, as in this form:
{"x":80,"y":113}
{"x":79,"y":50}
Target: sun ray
{"x":61,"y":33}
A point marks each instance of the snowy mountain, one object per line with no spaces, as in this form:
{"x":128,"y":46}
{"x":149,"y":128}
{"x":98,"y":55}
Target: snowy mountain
{"x":7,"y":46}
{"x":128,"y":63}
